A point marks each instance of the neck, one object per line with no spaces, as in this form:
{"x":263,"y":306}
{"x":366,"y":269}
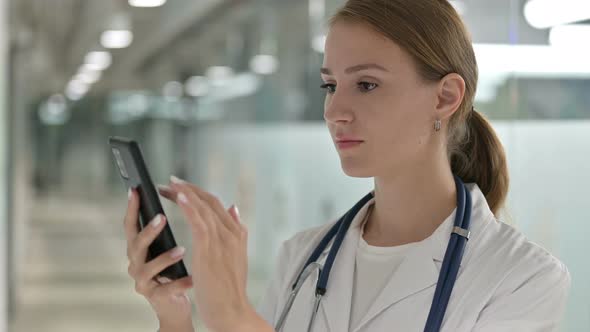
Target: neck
{"x":411,"y":205}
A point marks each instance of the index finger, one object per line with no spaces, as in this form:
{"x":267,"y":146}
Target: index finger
{"x":212,"y":201}
{"x":132,"y":216}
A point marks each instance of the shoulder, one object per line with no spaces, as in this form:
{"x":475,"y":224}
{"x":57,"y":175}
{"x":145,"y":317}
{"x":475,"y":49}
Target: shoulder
{"x":506,"y":255}
{"x":520,"y":284}
{"x":531,"y":259}
{"x":520,"y":251}
{"x":514,"y":262}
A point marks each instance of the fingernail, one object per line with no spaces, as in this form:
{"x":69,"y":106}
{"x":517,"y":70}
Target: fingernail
{"x":182,"y":198}
{"x":237,"y":211}
{"x":177,"y":252}
{"x":129,"y":193}
{"x":156,"y":222}
{"x":163,"y":187}
{"x":176,"y":180}
{"x":163,"y":280}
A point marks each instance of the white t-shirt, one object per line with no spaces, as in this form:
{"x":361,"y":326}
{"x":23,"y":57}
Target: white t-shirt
{"x":373,"y":268}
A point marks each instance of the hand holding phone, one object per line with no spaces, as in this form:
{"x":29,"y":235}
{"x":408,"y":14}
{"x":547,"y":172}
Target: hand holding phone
{"x":155,"y":262}
{"x":133,"y":170}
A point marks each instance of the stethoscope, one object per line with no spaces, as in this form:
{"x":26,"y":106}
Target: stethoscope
{"x":446,"y":278}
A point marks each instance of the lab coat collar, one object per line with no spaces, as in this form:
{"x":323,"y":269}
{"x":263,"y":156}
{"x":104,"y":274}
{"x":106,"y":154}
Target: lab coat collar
{"x":416,"y":273}
{"x":481,"y":216}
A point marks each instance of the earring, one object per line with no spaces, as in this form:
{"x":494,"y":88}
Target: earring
{"x":437,"y":125}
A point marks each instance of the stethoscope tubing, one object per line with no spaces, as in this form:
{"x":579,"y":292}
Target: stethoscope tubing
{"x":447,"y":276}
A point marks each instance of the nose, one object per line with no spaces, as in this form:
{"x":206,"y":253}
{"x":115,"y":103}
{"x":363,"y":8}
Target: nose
{"x":337,"y":108}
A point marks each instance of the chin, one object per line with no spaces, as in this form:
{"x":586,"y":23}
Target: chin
{"x":355,"y":170}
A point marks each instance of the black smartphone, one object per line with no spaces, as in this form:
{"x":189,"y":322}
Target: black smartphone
{"x":133,"y":170}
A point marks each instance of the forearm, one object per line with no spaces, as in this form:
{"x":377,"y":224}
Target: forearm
{"x":171,"y":327}
{"x":163,"y":329}
{"x":256,"y":324}
{"x":249,"y":322}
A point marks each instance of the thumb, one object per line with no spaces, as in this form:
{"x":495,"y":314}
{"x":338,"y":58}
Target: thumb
{"x":235,"y":213}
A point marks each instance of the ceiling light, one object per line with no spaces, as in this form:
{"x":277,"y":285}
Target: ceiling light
{"x":543,"y":14}
{"x":76,"y":89}
{"x":532,"y":60}
{"x":570,"y":36}
{"x":146,"y":3}
{"x":88,"y":76}
{"x":98,"y":60}
{"x":197,"y":86}
{"x":116,"y":38}
{"x":219,"y":75}
{"x":264,"y":64}
{"x":54,"y":111}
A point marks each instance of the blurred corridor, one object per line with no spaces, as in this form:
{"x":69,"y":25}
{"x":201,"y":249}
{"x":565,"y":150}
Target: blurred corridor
{"x":226,"y":94}
{"x":74,"y":272}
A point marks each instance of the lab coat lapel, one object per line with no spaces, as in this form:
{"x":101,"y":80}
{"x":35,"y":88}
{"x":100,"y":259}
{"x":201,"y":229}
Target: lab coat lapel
{"x":337,"y":300}
{"x":417,"y":272}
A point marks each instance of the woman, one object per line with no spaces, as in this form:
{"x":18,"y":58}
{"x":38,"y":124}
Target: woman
{"x":400,"y":77}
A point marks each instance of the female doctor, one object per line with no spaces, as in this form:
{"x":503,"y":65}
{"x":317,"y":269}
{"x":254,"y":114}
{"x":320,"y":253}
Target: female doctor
{"x":400,"y":78}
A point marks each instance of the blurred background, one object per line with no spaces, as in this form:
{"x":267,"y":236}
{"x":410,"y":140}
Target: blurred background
{"x":225,"y":93}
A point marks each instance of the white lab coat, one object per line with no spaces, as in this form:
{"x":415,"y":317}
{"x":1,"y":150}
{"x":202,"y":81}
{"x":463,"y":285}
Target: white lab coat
{"x":505,"y":282}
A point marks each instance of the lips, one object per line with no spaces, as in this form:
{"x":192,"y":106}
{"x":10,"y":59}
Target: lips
{"x":345,"y":139}
{"x":347,"y":144}
{"x":348,"y":141}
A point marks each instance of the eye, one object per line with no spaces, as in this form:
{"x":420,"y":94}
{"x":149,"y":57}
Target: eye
{"x":367,"y":86}
{"x":330,"y":88}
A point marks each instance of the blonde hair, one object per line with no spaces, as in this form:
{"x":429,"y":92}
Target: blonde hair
{"x":433,"y":34}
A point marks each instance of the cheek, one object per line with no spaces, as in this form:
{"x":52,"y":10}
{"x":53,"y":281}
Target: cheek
{"x":395,"y":123}
{"x":398,"y":130}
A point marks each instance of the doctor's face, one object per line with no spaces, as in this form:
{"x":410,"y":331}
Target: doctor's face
{"x":375,"y":95}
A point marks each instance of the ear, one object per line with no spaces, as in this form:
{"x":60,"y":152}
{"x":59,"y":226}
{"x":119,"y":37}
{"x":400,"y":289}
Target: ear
{"x":451,"y":90}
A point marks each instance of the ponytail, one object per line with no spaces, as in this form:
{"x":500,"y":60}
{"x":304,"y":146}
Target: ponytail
{"x":481,"y":159}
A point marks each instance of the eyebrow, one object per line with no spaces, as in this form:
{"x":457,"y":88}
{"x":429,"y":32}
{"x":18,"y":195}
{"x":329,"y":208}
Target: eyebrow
{"x":356,"y":68}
